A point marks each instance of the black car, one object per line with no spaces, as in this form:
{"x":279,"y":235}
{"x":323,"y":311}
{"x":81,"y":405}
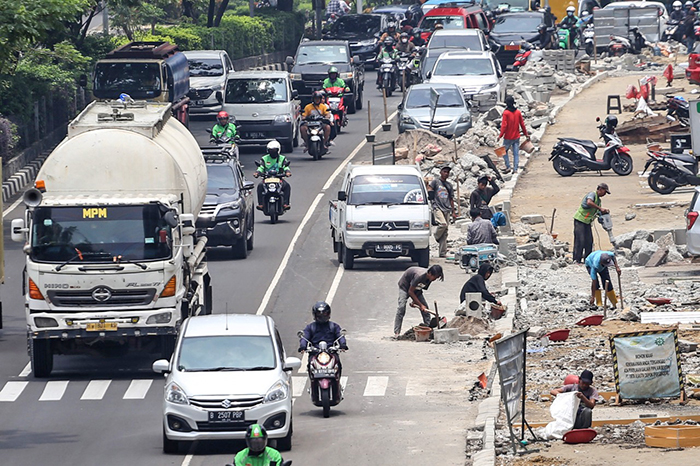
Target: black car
{"x":227,"y":217}
{"x":510,"y":30}
{"x":362,"y":33}
{"x":310,"y":67}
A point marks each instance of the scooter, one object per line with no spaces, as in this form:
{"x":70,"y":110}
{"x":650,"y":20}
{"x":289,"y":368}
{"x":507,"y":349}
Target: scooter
{"x":521,"y":58}
{"x":669,"y":171}
{"x":564,"y":35}
{"x":315,"y":127}
{"x":678,"y":109}
{"x":589,"y":39}
{"x":639,"y":41}
{"x":324,"y":374}
{"x":571,"y":155}
{"x":405,"y":69}
{"x":334,"y":98}
{"x":618,"y":46}
{"x":272,"y":201}
{"x":387,"y":75}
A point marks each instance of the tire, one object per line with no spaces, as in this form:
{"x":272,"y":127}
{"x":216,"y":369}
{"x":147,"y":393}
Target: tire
{"x":295,"y":141}
{"x":340,"y":250}
{"x":423,"y":257}
{"x":240,"y":249}
{"x":169,"y":446}
{"x":285,"y":443}
{"x":348,"y":258}
{"x":656,"y":185}
{"x":288,"y":146}
{"x":339,"y":128}
{"x":273,"y":217}
{"x":622,"y":164}
{"x":42,"y":358}
{"x":249,"y":243}
{"x":352,"y":107}
{"x":326,"y":401}
{"x":562,"y":169}
{"x":359,"y":104}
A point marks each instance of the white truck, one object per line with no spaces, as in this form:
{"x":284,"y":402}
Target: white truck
{"x":113,"y":261}
{"x":382,"y":211}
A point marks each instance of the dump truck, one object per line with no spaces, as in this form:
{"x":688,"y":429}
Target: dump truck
{"x":113,"y":260}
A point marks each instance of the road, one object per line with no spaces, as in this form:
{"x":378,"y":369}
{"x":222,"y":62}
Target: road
{"x":400,"y":403}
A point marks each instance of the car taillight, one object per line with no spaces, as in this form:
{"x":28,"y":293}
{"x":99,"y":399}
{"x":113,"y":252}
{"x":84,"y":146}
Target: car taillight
{"x":690,"y":219}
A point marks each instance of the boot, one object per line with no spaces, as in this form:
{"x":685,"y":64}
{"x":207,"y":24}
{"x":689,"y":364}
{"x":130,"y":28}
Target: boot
{"x":613,"y":299}
{"x":598,"y":298}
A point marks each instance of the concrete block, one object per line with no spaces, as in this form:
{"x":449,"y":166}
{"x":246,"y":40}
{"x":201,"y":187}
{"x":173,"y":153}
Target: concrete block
{"x":532,"y":219}
{"x":659,"y":233}
{"x":658,"y":258}
{"x":509,"y":277}
{"x":445,"y":335}
{"x":505,"y":243}
{"x":646,"y":252}
{"x":680,"y":236}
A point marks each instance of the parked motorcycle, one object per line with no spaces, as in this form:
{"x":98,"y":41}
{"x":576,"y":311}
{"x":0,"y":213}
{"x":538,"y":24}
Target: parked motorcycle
{"x":223,"y":145}
{"x":672,"y":31}
{"x":387,"y":75}
{"x":589,"y":39}
{"x":315,"y":127}
{"x":324,"y":374}
{"x":669,"y":171}
{"x":639,"y":41}
{"x":678,"y":109}
{"x":334,"y":98}
{"x":618,"y":46}
{"x":272,"y":201}
{"x":571,"y":155}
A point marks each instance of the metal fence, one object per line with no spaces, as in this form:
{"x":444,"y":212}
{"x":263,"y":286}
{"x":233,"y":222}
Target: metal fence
{"x":618,"y":21}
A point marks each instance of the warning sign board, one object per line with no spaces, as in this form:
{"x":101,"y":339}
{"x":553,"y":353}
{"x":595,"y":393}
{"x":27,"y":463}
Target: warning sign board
{"x":647,"y":365}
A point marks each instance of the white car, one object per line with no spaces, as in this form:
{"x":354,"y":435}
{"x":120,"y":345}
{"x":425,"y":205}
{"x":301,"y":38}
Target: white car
{"x":209,"y":71}
{"x":478,"y":75}
{"x":227,"y":372}
{"x":467,"y":39}
{"x":692,"y":225}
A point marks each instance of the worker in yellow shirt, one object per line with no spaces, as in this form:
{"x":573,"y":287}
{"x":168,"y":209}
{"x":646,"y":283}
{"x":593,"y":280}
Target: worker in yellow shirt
{"x":317,"y":108}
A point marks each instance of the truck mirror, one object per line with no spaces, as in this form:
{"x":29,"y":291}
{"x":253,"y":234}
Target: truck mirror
{"x":18,"y":230}
{"x":82,"y":80}
{"x":170,"y":219}
{"x":431,"y":195}
{"x":219,"y":97}
{"x":188,"y":227}
{"x":342,"y":196}
{"x":429,"y":74}
{"x":355,"y":60}
{"x":289,"y":61}
{"x":400,"y":106}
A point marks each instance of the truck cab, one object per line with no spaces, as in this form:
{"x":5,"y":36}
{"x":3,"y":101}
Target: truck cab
{"x":382,"y":211}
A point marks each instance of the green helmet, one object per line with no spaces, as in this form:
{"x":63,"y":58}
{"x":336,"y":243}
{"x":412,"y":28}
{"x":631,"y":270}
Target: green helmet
{"x":256,"y":438}
{"x":332,"y":69}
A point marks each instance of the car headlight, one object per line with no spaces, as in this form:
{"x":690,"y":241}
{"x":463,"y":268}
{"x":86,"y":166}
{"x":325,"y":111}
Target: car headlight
{"x":406,"y":119}
{"x":368,"y":42}
{"x":489,"y":86}
{"x":295,"y":76}
{"x":283,"y":119}
{"x":162,"y":318}
{"x":345,"y":76}
{"x":420,"y":225}
{"x":277,"y":392}
{"x":231,"y":205}
{"x":175,"y":394}
{"x":356,"y":225}
{"x":466,"y":118}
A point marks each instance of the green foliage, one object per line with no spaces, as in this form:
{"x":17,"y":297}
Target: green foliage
{"x":186,"y":37}
{"x":8,"y":137}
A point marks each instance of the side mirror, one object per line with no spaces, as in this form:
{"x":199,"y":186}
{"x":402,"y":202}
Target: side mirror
{"x":170,"y":218}
{"x":161,"y":366}
{"x":429,"y":74}
{"x":82,"y":80}
{"x":188,"y":227}
{"x":431,"y":195}
{"x":342,"y":196}
{"x":289,"y":61}
{"x":300,"y":334}
{"x":208,"y":130}
{"x":291,"y":364}
{"x":295,"y":94}
{"x":597,"y":119}
{"x":355,"y":60}
{"x":219,"y":97}
{"x":400,"y":106}
{"x":18,"y":230}
{"x":287,"y":463}
{"x":248,"y":185}
{"x":257,"y":163}
{"x":343,"y":332}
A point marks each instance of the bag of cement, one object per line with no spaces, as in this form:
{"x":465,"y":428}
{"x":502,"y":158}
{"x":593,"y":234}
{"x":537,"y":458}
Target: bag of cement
{"x":643,"y":108}
{"x":563,"y":410}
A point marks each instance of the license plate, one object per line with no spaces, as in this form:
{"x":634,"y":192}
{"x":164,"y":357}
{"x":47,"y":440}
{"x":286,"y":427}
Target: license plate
{"x":512,"y":47}
{"x":255,"y":135}
{"x":387,"y":248}
{"x":198,"y":103}
{"x":226,"y":416}
{"x":272,"y":180}
{"x":101,"y":326}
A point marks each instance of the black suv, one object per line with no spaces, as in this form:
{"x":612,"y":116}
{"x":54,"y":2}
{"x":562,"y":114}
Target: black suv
{"x":362,"y":33}
{"x":227,"y":217}
{"x":310,"y":67}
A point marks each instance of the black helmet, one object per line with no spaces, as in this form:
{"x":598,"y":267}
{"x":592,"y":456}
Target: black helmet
{"x":318,"y":94}
{"x":388,"y":42}
{"x":322,"y":312}
{"x":256,"y":439}
{"x":404,"y":34}
{"x":542,"y":27}
{"x":611,"y":121}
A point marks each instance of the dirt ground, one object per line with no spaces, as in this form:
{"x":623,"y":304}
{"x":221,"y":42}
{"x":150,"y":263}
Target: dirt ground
{"x":562,"y":454}
{"x":540,"y":189}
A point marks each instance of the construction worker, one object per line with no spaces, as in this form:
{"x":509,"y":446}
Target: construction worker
{"x":587,"y":212}
{"x":597,"y":264}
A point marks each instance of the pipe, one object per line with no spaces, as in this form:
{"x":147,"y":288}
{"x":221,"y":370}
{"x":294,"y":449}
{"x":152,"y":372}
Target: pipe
{"x":198,"y":254}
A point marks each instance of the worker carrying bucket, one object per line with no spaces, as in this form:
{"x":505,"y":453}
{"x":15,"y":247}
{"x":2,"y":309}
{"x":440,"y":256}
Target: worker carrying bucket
{"x":597,"y":264}
{"x":588,"y":210}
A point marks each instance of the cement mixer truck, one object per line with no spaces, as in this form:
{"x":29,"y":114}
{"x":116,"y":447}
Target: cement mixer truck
{"x":113,"y":261}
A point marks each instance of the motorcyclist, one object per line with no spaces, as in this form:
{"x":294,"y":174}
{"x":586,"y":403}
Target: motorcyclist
{"x":387,"y":51}
{"x":322,"y":329}
{"x":223,"y":128}
{"x":408,"y":24}
{"x":316,"y":108}
{"x":570,"y":21}
{"x":677,"y":14}
{"x":257,"y":453}
{"x":405,"y":45}
{"x":687,"y":6}
{"x":418,"y":40}
{"x":391,"y":32}
{"x":334,"y":80}
{"x":544,"y":37}
{"x":273,"y":159}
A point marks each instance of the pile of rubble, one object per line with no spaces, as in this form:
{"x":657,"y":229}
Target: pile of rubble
{"x":639,"y":248}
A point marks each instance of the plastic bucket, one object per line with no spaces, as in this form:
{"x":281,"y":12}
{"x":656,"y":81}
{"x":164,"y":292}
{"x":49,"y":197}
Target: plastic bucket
{"x":527,"y":146}
{"x":422,"y":333}
{"x":500,"y":151}
{"x":497,"y":311}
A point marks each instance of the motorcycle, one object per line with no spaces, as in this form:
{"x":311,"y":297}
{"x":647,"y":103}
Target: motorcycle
{"x":678,"y":109}
{"x":315,"y":127}
{"x":571,"y":155}
{"x":405,"y":69}
{"x":672,"y":31}
{"x":618,"y":46}
{"x":387,"y":75}
{"x":639,"y":41}
{"x":272,"y":201}
{"x":589,"y":39}
{"x":334,"y":99}
{"x":564,"y":35}
{"x":521,"y":58}
{"x":670,"y":171}
{"x":324,"y":374}
{"x":223,"y":145}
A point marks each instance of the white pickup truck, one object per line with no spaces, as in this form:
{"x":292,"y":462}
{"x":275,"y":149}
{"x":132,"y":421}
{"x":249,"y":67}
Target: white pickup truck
{"x":382,"y":211}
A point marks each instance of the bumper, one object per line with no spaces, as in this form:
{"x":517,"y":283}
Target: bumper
{"x":128,"y":324}
{"x":365,"y":241}
{"x":205,"y":107}
{"x":262,"y":133}
{"x":222,"y":231}
{"x":693,"y":75}
{"x":366,"y":54}
{"x":453,"y":130}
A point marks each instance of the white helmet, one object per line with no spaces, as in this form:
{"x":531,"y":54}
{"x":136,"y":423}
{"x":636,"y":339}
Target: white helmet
{"x":677,"y":5}
{"x":570,"y":10}
{"x":689,"y":3}
{"x":273,"y":145}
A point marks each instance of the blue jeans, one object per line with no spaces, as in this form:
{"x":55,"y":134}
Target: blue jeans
{"x":514,"y":146}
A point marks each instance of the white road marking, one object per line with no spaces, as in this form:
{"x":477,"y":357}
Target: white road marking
{"x":190,"y":454}
{"x":137,"y":389}
{"x":12,"y":207}
{"x":12,"y":390}
{"x":96,"y":390}
{"x":27,"y":370}
{"x":334,"y":286}
{"x":298,"y":385}
{"x":304,"y":363}
{"x":54,"y":390}
{"x":416,"y":388}
{"x":376,"y":386}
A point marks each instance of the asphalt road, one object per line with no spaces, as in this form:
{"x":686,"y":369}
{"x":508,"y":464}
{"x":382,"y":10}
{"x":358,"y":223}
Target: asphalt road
{"x":107,"y":411}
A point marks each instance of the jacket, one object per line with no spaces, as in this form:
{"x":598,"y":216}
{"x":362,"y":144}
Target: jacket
{"x":316,"y":332}
{"x":512,"y":119}
{"x":337,"y":83}
{"x":316,"y":110}
{"x":281,"y":163}
{"x":229,"y":131}
{"x":270,"y":457}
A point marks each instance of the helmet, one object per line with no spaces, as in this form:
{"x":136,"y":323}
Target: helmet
{"x":542,"y":27}
{"x":332,"y":70}
{"x":222,"y":117}
{"x":570,"y":10}
{"x":318,"y":94}
{"x":256,"y":439}
{"x":404,"y":37}
{"x":439,"y":26}
{"x":688,"y":4}
{"x":273,"y":148}
{"x":388,"y":42}
{"x":611,"y":121}
{"x":391,"y":26}
{"x":321,"y":311}
{"x":677,"y":5}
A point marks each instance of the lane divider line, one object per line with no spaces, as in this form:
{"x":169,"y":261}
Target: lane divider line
{"x":27,"y":370}
{"x":12,"y":207}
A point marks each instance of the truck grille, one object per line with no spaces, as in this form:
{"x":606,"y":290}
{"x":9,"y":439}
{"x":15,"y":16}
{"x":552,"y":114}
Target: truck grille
{"x":199,"y":94}
{"x":102,"y":296}
{"x":388,"y":226}
{"x":233,"y":403}
{"x":313,"y":80}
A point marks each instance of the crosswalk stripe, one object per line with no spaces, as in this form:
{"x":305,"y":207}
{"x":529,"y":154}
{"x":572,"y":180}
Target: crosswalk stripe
{"x":376,"y":386}
{"x":54,"y":390}
{"x":298,"y":384}
{"x":416,"y":388}
{"x":12,"y":390}
{"x":137,"y":389}
{"x":95,"y":390}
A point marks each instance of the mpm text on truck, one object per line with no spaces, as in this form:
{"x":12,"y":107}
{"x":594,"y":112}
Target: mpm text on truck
{"x":112,"y":257}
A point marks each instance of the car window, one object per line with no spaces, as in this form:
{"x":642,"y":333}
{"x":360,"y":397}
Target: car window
{"x":693,"y":202}
{"x":513,"y":5}
{"x":420,"y":98}
{"x":366,"y":24}
{"x":386,"y":189}
{"x":448,"y":22}
{"x":464,"y":67}
{"x":220,"y":176}
{"x":322,"y":54}
{"x":237,"y":352}
{"x":256,"y":91}
{"x":516,"y":24}
{"x":206,"y":67}
{"x":470,"y":42}
{"x":481,"y":20}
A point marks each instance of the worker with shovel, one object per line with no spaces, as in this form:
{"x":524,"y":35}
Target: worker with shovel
{"x":411,"y":285}
{"x":597,"y":264}
{"x":590,"y":207}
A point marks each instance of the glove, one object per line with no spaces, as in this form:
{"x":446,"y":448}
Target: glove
{"x":301,"y":350}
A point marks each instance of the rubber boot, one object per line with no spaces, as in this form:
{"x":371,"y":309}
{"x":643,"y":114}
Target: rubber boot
{"x":612,"y":298}
{"x":598,"y":298}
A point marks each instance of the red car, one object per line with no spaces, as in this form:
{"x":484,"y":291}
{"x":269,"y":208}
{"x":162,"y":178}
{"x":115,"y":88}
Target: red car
{"x":471,"y":17}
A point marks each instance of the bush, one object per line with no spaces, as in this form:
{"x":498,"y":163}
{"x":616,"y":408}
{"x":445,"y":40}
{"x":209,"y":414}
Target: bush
{"x":186,"y":37}
{"x":8,"y":137}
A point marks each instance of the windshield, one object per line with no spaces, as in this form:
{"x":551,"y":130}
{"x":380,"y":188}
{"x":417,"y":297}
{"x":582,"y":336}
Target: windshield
{"x":256,"y":91}
{"x":464,"y":67}
{"x":448,"y":22}
{"x":139,"y":80}
{"x":99,"y":233}
{"x":470,"y":42}
{"x":206,"y":67}
{"x":516,"y":24}
{"x":420,"y":98}
{"x":357,"y":24}
{"x":226,"y":353}
{"x":386,"y":189}
{"x":322,"y":54}
{"x":220,"y":176}
{"x":513,"y":5}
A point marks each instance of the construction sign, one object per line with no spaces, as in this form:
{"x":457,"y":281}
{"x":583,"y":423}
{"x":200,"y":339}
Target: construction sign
{"x":647,"y":364}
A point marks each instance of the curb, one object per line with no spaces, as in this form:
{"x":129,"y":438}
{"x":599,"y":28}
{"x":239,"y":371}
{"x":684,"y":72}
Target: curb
{"x":23,"y":177}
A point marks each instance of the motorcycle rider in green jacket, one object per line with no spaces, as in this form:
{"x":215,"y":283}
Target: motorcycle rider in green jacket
{"x":223,"y":128}
{"x":273,"y":159}
{"x":257,"y":452}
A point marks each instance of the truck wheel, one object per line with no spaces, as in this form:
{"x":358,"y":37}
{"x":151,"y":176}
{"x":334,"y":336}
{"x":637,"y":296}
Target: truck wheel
{"x":352,"y":108}
{"x":348,"y":258}
{"x":42,"y":358}
{"x":169,"y":446}
{"x":423,"y":257}
{"x":240,"y":249}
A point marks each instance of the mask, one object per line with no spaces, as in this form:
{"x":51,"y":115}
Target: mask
{"x":404,"y":41}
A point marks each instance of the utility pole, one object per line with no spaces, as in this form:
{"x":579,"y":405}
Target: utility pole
{"x":318,"y":5}
{"x":105,"y":18}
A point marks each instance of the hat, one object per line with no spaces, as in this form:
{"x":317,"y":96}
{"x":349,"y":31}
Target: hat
{"x":586,"y":376}
{"x":606,"y":259}
{"x":605,"y":187}
{"x":442,"y":167}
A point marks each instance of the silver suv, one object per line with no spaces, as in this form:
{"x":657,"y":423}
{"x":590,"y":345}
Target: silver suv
{"x":209,"y":71}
